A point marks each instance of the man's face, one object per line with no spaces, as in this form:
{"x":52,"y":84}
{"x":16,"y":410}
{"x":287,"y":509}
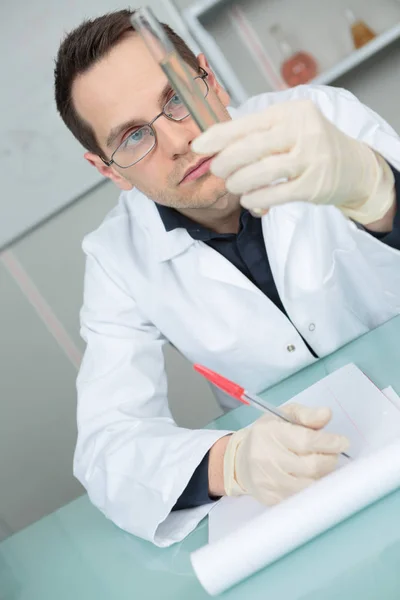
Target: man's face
{"x":126,"y":86}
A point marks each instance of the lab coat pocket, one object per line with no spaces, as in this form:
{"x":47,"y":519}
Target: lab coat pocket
{"x":362,"y":291}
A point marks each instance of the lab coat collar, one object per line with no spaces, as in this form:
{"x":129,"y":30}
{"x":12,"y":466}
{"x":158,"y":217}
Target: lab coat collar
{"x":170,"y":244}
{"x":167,"y":244}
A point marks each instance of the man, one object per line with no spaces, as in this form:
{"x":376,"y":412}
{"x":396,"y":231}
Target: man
{"x":180,"y":260}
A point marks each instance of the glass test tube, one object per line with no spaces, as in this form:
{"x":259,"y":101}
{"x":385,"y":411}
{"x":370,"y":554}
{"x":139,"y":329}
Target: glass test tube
{"x":178,"y":73}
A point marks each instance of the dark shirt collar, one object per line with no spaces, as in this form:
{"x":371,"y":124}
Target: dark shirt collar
{"x":172,"y":219}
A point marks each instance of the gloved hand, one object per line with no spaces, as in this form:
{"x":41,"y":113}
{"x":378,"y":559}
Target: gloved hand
{"x":295,"y":142}
{"x":273,"y":459}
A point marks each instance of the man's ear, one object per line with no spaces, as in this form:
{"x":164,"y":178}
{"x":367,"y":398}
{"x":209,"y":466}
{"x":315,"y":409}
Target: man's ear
{"x":108,"y":172}
{"x":213,"y":82}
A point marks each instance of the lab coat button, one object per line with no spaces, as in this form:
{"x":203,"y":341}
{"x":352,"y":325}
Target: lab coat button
{"x":311,"y":326}
{"x":291,"y":348}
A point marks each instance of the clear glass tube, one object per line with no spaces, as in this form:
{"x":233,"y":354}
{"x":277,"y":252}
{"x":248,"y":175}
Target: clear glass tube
{"x":146,"y":24}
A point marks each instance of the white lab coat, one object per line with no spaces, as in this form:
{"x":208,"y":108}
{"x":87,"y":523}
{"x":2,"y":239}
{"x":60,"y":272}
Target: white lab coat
{"x":144,"y":286}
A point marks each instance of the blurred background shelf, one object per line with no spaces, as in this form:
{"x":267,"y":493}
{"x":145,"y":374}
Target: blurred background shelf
{"x":235,"y":35}
{"x":359,"y":56}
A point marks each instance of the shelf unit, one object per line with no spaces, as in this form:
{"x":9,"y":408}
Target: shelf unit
{"x":359,"y":56}
{"x":194,"y":14}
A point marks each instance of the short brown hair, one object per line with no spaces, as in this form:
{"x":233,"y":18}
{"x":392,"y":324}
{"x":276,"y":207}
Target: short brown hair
{"x":84,"y":47}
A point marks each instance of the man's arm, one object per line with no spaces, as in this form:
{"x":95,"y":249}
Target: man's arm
{"x":384,"y":225}
{"x":332,"y":150}
{"x":207,"y":482}
{"x":273,"y":459}
{"x":387,"y":229}
{"x":216,"y":468}
{"x":133,"y":459}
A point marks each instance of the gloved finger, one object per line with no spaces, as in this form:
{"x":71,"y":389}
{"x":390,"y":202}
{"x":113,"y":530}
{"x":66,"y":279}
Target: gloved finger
{"x":303,"y":440}
{"x":316,"y":418}
{"x":263,"y":174}
{"x":220,"y":135}
{"x":273,"y":195}
{"x":251,"y":148}
{"x":312,"y":466}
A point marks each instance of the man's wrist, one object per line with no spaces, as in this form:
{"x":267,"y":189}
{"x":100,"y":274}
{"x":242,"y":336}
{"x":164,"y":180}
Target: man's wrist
{"x":379,"y":207}
{"x":384,"y":225}
{"x":216,"y":467}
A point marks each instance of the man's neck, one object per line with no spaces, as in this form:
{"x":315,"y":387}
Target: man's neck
{"x":224,"y":220}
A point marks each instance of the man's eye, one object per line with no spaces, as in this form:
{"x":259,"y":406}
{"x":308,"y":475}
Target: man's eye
{"x":175,"y":99}
{"x":136,"y":136}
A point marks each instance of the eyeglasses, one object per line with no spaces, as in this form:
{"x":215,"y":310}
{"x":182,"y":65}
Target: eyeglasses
{"x":141,"y":141}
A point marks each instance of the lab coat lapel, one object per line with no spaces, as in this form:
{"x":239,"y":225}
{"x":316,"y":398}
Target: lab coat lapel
{"x":171,"y":244}
{"x":166,"y":244}
{"x":301,"y":243}
{"x":215,"y":266}
{"x":278,"y":227}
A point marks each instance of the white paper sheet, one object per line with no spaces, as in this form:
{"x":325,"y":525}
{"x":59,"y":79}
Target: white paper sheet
{"x":297,"y":520}
{"x":231,"y":513}
{"x":392,"y":395}
{"x":355,"y":414}
{"x":371,"y":421}
{"x":360,"y":410}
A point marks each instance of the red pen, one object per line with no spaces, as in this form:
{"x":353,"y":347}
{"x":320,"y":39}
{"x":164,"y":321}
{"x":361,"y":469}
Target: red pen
{"x":238,"y":392}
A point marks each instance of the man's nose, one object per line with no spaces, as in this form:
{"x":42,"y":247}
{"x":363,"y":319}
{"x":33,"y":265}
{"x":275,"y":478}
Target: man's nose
{"x":175,"y":137}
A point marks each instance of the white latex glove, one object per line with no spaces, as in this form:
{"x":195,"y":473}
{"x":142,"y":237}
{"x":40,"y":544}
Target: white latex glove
{"x":295,"y":142}
{"x":274,"y":459}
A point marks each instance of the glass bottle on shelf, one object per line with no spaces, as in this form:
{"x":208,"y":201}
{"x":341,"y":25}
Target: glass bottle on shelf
{"x":360,"y":31}
{"x":297,"y":67}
